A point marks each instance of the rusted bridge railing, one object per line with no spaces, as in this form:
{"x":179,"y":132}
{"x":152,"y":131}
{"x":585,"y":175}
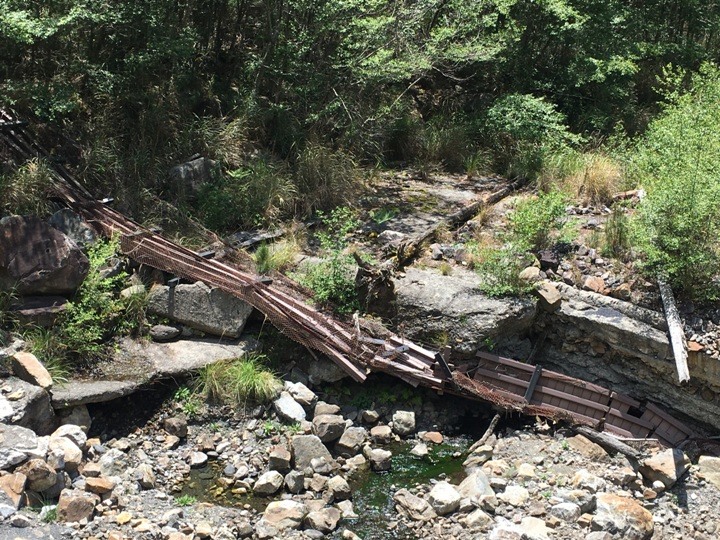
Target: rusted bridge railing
{"x":507,"y":384}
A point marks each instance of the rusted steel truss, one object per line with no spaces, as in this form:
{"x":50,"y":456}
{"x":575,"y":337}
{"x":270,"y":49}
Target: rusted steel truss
{"x":505,"y":383}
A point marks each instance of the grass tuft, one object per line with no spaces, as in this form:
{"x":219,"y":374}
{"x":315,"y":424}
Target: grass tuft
{"x":239,"y":380}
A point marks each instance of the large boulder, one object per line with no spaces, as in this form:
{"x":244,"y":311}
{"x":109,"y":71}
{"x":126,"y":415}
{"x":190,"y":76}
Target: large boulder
{"x":430,"y":304}
{"x":16,"y":445}
{"x":268,"y":483}
{"x":623,"y":516}
{"x":206,"y":309}
{"x":412,"y":506}
{"x":73,"y":226}
{"x":324,"y":520}
{"x":28,"y":406}
{"x":285,"y":514}
{"x":75,"y":505}
{"x":186,"y":179}
{"x":307,"y":447}
{"x":289,"y":409}
{"x":351,"y":441}
{"x":444,"y":498}
{"x":328,"y":427}
{"x":35,"y":258}
{"x":667,"y":466}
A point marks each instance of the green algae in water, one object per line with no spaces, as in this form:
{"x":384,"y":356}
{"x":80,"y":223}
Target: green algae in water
{"x":372,"y":492}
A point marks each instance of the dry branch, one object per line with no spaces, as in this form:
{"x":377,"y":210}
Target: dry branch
{"x":675,"y":328}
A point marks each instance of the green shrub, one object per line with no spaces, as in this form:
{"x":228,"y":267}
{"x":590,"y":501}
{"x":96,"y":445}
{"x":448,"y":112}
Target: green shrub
{"x":677,"y":163}
{"x":534,"y":219}
{"x":499,"y":270}
{"x":239,"y":380}
{"x":332,"y":280}
{"x":246,"y":197}
{"x":278,"y":256}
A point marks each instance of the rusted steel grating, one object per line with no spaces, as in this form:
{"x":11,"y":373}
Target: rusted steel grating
{"x":506,"y":383}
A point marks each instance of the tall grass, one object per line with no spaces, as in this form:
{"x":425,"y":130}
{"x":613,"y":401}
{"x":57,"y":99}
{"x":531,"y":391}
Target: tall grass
{"x":325,"y":178}
{"x":239,"y":380}
{"x":25,"y":191}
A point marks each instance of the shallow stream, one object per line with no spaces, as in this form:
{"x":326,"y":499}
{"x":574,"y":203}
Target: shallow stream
{"x":372,"y":492}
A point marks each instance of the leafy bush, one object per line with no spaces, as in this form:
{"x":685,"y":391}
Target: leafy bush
{"x":677,"y":163}
{"x":332,"y":280}
{"x":499,"y":269}
{"x":238,"y":380}
{"x":534,"y":219}
{"x":246,"y":197}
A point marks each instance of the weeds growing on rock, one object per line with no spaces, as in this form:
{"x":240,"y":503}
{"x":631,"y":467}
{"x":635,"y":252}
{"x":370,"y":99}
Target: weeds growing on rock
{"x":185,"y":500}
{"x":238,"y":380}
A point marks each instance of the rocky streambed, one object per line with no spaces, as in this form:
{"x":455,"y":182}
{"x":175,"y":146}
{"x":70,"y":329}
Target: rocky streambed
{"x":314,"y":465}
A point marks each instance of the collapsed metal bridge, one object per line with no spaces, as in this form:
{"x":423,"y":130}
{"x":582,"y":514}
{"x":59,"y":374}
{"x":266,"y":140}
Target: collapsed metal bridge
{"x":507,"y":384}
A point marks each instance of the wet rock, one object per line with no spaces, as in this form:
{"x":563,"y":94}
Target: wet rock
{"x":176,"y":425}
{"x":328,"y":427}
{"x":163,"y":332}
{"x":29,"y":369}
{"x":40,"y":476}
{"x":379,"y":459}
{"x":307,"y":447}
{"x":412,"y":506}
{"x":324,"y":520}
{"x":666,"y":466}
{"x":404,"y":423}
{"x":75,"y":505}
{"x":623,"y":516}
{"x":269,"y":483}
{"x":285,"y":514}
{"x":351,"y":441}
{"x":444,"y":498}
{"x":288,"y":409}
{"x":198,"y":306}
{"x":35,"y":258}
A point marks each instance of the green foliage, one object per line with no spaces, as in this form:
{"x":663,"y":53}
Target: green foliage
{"x":499,"y":269}
{"x":324,"y":178}
{"x":246,"y":197}
{"x":278,"y":256}
{"x":534,"y":219}
{"x":239,"y":380}
{"x":188,"y":400}
{"x":332,"y":280}
{"x":677,"y":164}
{"x":185,"y":500}
{"x":25,"y":191}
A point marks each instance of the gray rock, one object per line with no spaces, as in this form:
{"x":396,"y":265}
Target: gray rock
{"x":412,"y":506}
{"x":381,"y":434}
{"x":444,"y":498}
{"x":339,"y":488}
{"x":114,"y":462}
{"x":351,"y":441}
{"x":16,"y":444}
{"x":209,"y":310}
{"x":32,"y":408}
{"x":623,"y":516}
{"x":328,"y":427}
{"x":420,"y":450}
{"x":163,"y":332}
{"x":666,"y":466}
{"x":566,"y":511}
{"x":295,"y":482}
{"x":380,"y":460}
{"x":35,"y":258}
{"x":322,"y":465}
{"x":187,"y":179}
{"x":302,"y":394}
{"x":198,"y":460}
{"x":268,"y":483}
{"x":289,"y":409}
{"x":73,"y":226}
{"x":176,"y":425}
{"x":325,"y":408}
{"x":404,"y":423}
{"x":279,"y":458}
{"x":307,"y":447}
{"x":77,"y":416}
{"x":145,"y":476}
{"x":324,"y":520}
{"x":477,"y":519}
{"x":469,"y":317}
{"x":476,"y":487}
{"x":285,"y":514}
{"x":72,"y":432}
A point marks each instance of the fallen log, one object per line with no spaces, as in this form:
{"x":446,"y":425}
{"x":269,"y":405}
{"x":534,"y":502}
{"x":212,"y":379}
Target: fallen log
{"x":675,"y":328}
{"x":407,"y":251}
{"x":609,"y":442}
{"x":489,"y":431}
